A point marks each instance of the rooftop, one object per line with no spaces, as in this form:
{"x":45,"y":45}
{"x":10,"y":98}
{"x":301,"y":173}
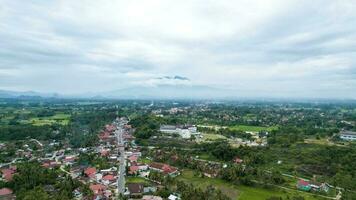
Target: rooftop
{"x":348,"y":133}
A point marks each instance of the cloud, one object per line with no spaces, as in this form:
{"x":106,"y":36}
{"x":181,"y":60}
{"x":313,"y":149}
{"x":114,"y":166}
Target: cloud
{"x":254,"y":47}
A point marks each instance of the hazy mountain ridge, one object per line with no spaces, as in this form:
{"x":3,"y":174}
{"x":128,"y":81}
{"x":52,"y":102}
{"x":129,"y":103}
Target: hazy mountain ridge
{"x":138,"y":92}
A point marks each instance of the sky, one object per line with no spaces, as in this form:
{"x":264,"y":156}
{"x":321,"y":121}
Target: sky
{"x":251,"y":48}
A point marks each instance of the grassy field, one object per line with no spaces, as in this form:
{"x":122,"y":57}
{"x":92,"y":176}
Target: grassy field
{"x":57,"y":118}
{"x":144,"y":160}
{"x":240,"y":192}
{"x":207,"y":136}
{"x":137,"y":180}
{"x":253,"y":128}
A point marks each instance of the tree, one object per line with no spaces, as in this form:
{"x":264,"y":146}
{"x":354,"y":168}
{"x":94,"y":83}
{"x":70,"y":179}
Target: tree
{"x":34,"y":194}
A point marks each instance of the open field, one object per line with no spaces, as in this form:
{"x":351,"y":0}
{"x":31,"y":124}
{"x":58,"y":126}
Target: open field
{"x":241,"y":192}
{"x":242,"y":127}
{"x":59,"y":118}
{"x":252,"y":128}
{"x":208,"y":136}
{"x":144,"y":160}
{"x":136,"y":180}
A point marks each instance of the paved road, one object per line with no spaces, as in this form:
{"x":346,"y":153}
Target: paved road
{"x":122,"y":168}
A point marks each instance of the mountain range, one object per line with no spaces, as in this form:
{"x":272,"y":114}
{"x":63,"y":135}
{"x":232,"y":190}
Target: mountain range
{"x":139,"y":92}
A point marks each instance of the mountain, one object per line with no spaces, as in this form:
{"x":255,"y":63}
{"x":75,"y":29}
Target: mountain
{"x":167,"y":92}
{"x":16,"y":94}
{"x":161,"y":91}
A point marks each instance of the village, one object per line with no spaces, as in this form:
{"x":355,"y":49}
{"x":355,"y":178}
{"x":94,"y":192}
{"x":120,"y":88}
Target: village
{"x":124,"y":163}
{"x":117,"y":147}
{"x":153,"y":157}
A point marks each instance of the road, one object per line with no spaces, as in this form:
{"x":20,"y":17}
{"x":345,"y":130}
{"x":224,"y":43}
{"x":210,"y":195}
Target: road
{"x":122,"y":167}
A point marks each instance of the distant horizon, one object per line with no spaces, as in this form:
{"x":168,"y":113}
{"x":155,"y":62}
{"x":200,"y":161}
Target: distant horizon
{"x":59,"y":96}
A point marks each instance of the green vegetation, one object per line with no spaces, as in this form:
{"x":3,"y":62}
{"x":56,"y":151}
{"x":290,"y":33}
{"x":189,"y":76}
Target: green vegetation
{"x":31,"y":179}
{"x":136,"y":180}
{"x":302,"y":141}
{"x":253,"y":128}
{"x":241,"y":192}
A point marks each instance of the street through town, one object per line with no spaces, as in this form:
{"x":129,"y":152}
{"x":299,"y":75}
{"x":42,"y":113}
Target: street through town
{"x":121,"y":173}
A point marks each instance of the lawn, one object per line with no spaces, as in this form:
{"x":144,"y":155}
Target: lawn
{"x":207,"y":136}
{"x":239,"y":192}
{"x":253,"y":128}
{"x":60,"y":118}
{"x":144,"y":160}
{"x":137,"y":180}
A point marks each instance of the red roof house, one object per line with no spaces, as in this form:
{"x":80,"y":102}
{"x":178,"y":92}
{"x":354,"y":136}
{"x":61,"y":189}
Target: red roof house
{"x":90,"y":172}
{"x":104,"y":135}
{"x":133,"y":158}
{"x":7,"y":174}
{"x":97,"y":188}
{"x":104,"y":152}
{"x":109,"y":177}
{"x":5,"y":192}
{"x":134,"y":169}
{"x":167,"y":169}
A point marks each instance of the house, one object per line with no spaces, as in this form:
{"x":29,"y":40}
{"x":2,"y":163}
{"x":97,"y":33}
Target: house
{"x":104,"y":152}
{"x":142,"y":167}
{"x":6,"y":194}
{"x":110,"y":128}
{"x":312,"y":185}
{"x":133,"y":158}
{"x":69,"y":160}
{"x":164,"y":168}
{"x":238,"y":160}
{"x":104,"y":135}
{"x":303,"y":185}
{"x":112,"y":169}
{"x":128,"y":137}
{"x":320,"y":187}
{"x":97,"y":189}
{"x":90,"y":172}
{"x":144,"y":174}
{"x":151,"y":197}
{"x":77,"y":194}
{"x":173,"y":197}
{"x":107,"y":179}
{"x":348,"y":135}
{"x":7,"y":174}
{"x":135,"y":189}
{"x":149,"y":190}
{"x":133,"y":170}
{"x":51,"y":164}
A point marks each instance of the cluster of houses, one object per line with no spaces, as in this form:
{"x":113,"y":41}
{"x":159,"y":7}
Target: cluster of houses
{"x":102,"y":182}
{"x":6,"y":174}
{"x":143,"y":170}
{"x":185,"y":131}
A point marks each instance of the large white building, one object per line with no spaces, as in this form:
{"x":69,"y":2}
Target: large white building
{"x":185,"y":131}
{"x":348,"y":135}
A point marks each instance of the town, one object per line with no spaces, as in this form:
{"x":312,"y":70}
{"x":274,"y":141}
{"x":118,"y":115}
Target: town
{"x":114,"y":150}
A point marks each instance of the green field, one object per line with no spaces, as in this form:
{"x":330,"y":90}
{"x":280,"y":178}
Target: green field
{"x":253,"y":128}
{"x":144,"y":160}
{"x":208,"y":136}
{"x":137,"y":180}
{"x":240,"y":192}
{"x":59,"y":118}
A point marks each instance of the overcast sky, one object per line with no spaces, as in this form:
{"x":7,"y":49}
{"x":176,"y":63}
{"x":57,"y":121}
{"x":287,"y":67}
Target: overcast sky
{"x":278,"y":48}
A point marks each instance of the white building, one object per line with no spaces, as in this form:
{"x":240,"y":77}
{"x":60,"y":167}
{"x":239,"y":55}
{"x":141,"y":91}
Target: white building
{"x":184,"y":131}
{"x":348,"y":135}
